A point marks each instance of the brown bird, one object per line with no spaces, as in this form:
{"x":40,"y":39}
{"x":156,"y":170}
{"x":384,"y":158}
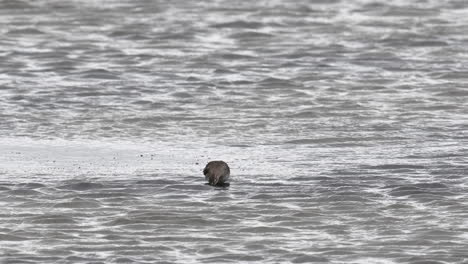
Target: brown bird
{"x":217,"y":172}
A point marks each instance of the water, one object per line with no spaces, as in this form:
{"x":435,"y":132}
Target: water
{"x":344,"y":124}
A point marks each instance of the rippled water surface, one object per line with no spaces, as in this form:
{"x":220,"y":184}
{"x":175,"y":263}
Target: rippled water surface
{"x":344,"y":124}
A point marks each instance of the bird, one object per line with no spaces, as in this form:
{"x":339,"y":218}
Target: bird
{"x":217,"y":173}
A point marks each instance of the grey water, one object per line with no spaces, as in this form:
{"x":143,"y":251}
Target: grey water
{"x":344,"y":124}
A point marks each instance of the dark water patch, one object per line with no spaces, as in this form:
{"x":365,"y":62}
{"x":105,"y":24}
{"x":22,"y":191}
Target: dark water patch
{"x":381,"y":24}
{"x":124,"y":194}
{"x":429,"y":197}
{"x":142,"y":121}
{"x":25,"y":31}
{"x":251,"y":35}
{"x":300,"y":179}
{"x":262,"y":197}
{"x":462,"y":93}
{"x":184,"y":35}
{"x":8,"y":237}
{"x":99,"y":74}
{"x":143,"y":227}
{"x":406,"y":192}
{"x":347,"y":198}
{"x":190,"y":187}
{"x":51,"y":219}
{"x":270,"y":207}
{"x":378,"y":56}
{"x":16,"y":4}
{"x":195,"y":222}
{"x":399,"y":207}
{"x":81,"y":186}
{"x":78,"y":203}
{"x":431,"y":185}
{"x":172,"y":196}
{"x":436,"y":107}
{"x":423,"y":260}
{"x":420,"y":196}
{"x":338,"y":141}
{"x":4,"y":188}
{"x":272,"y":82}
{"x":338,"y":252}
{"x":428,"y":43}
{"x":453,"y":75}
{"x":142,"y":102}
{"x":439,"y":235}
{"x":130,"y":35}
{"x":24,"y":192}
{"x":305,"y":114}
{"x":120,"y":222}
{"x":61,"y":66}
{"x":235,"y":56}
{"x":31,"y":185}
{"x":279,"y":219}
{"x":305,"y":258}
{"x":300,"y":224}
{"x":426,"y":192}
{"x":239,"y":24}
{"x":28,"y":258}
{"x":410,"y":11}
{"x":228,"y":258}
{"x":210,"y":250}
{"x":241,"y":83}
{"x":241,"y":146}
{"x":224,"y":71}
{"x":4,"y":87}
{"x":215,"y":199}
{"x":156,"y":182}
{"x":94,"y":94}
{"x":265,"y":230}
{"x":81,"y":259}
{"x":182,"y":95}
{"x":395,"y":167}
{"x":123,"y":260}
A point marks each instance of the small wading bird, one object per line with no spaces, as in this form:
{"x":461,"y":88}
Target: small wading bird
{"x":217,"y":173}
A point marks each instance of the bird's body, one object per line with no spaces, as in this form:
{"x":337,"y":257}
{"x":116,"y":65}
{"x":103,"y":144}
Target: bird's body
{"x":217,"y":172}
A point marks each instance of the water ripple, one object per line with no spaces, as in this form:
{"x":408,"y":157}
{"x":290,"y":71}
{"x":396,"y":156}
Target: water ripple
{"x":343,"y":123}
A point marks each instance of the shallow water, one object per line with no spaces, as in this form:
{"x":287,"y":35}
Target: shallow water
{"x":344,"y":124}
